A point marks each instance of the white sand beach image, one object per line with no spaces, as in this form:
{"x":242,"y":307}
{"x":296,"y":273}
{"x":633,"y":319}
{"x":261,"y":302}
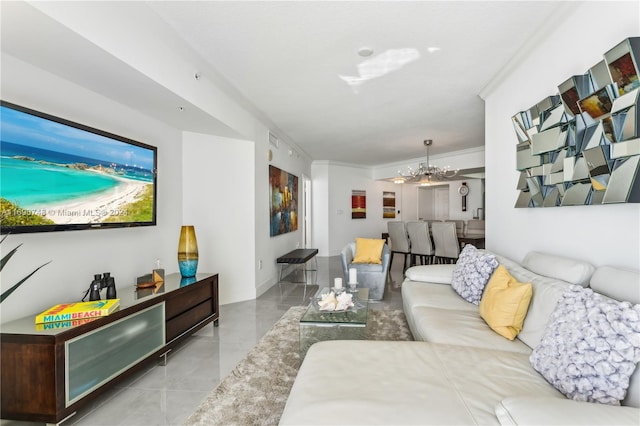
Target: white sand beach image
{"x":95,"y":209}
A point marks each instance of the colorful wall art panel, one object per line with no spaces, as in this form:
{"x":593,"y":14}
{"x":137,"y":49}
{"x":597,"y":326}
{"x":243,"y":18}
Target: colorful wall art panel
{"x":388,"y":205}
{"x":283,"y":192}
{"x":358,"y":204}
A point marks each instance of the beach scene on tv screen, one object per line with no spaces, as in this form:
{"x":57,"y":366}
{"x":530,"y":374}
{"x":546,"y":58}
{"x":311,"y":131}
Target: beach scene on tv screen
{"x":55,"y":174}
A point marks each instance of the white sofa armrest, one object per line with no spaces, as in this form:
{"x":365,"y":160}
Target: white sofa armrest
{"x":555,"y":411}
{"x":437,"y":274}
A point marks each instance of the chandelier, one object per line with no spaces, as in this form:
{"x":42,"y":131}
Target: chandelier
{"x":427,"y":170}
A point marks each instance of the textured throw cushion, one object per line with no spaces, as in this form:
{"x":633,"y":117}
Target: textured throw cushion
{"x":472,"y":272}
{"x":368,"y":250}
{"x":505,"y":302}
{"x":590,"y":347}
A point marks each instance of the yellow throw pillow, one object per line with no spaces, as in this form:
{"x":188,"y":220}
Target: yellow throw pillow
{"x":505,"y":302}
{"x":368,"y":250}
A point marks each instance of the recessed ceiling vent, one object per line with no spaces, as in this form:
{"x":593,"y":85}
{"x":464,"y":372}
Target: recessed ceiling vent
{"x":273,"y":140}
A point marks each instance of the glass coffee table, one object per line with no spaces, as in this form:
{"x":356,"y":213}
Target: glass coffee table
{"x":317,"y":325}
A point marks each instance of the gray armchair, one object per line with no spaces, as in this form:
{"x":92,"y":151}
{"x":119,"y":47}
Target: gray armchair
{"x":370,"y":275}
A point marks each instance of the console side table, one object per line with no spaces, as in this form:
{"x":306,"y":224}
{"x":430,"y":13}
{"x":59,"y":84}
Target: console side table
{"x":49,"y":371}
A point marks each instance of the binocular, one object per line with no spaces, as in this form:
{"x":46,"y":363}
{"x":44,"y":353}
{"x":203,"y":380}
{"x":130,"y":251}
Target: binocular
{"x":99,"y":282}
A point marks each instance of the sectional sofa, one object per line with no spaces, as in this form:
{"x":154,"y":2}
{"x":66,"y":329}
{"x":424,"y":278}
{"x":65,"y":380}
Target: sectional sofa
{"x":461,"y":371}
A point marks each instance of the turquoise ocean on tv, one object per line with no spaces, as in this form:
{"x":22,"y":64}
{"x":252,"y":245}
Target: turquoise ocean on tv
{"x":46,"y":180}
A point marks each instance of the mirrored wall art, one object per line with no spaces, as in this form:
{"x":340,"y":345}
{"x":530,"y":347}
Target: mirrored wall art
{"x":582,"y":146}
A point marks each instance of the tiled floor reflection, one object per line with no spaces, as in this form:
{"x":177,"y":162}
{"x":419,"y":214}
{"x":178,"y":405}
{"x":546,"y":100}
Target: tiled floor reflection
{"x":167,"y":395}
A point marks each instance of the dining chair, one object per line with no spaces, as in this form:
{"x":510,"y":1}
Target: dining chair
{"x":420,"y":242}
{"x":459,"y":225}
{"x":399,"y":241}
{"x":445,"y":239}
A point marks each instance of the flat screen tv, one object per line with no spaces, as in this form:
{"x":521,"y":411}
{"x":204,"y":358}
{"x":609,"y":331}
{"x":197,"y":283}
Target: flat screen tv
{"x":57,"y":175}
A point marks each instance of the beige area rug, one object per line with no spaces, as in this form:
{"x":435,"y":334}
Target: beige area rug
{"x":256,"y":391}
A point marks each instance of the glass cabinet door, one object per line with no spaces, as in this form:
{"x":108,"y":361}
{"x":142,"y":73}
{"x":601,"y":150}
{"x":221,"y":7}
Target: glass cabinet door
{"x":98,"y":356}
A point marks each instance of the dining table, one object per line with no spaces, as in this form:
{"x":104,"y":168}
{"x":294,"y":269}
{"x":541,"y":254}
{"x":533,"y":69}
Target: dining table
{"x":475,"y":238}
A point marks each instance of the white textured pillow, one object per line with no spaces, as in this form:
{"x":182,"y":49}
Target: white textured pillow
{"x":590,"y":347}
{"x":472,"y":272}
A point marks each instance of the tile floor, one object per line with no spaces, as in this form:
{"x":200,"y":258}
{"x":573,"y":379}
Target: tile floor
{"x":168,"y":394}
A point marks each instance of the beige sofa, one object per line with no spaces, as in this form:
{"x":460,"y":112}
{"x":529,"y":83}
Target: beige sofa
{"x":458,"y":371}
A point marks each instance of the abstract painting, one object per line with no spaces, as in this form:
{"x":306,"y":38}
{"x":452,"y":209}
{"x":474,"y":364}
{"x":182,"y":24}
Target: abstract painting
{"x":358,"y":204}
{"x":388,"y":205}
{"x":283,"y":193}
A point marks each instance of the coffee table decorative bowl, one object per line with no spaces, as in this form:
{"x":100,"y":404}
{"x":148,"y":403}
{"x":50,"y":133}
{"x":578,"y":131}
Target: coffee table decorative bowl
{"x":318,"y":325}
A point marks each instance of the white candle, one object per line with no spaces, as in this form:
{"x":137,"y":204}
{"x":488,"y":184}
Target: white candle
{"x":353,"y":275}
{"x":337,"y":283}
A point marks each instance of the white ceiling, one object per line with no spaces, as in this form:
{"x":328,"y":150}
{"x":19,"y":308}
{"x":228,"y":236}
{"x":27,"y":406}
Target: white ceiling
{"x":286,"y":58}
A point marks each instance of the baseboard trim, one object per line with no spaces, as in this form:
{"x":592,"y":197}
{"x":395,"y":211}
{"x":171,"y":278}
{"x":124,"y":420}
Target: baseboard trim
{"x":263,"y":287}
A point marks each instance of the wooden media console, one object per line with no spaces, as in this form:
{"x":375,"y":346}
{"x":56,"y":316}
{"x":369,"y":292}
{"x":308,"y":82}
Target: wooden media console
{"x":49,"y":371}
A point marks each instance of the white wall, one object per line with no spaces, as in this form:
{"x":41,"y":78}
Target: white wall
{"x":321,"y":213}
{"x":217,"y":193}
{"x":77,"y":255}
{"x":474,"y":199}
{"x":408,"y":202}
{"x":608,"y":234}
{"x":226,"y":196}
{"x":288,"y":158}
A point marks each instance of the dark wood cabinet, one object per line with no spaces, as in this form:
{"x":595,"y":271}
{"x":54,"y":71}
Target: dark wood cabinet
{"x":50,"y":371}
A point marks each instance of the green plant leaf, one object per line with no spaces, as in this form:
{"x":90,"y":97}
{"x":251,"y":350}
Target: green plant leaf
{"x":19,"y":283}
{"x":6,"y":258}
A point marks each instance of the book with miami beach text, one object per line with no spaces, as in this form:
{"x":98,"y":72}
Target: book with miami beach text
{"x":78,"y":311}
